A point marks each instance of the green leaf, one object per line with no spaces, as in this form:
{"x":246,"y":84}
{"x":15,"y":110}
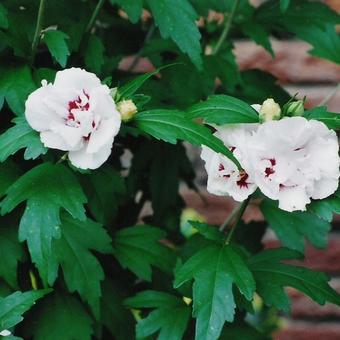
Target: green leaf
{"x":16,"y":83}
{"x":94,"y":54}
{"x":164,"y":178}
{"x":271,"y":276}
{"x":292,"y":227}
{"x":40,"y":223}
{"x":208,"y":231}
{"x":170,"y":125}
{"x":284,"y":4}
{"x":13,"y":306}
{"x":170,"y":316}
{"x":243,"y":331}
{"x":20,"y":136}
{"x":133,"y":8}
{"x":56,"y":43}
{"x":176,"y":19}
{"x":9,"y":173}
{"x":326,"y":207}
{"x":82,"y":271}
{"x":214,"y":270}
{"x":129,"y":89}
{"x":61,"y":317}
{"x":222,"y":109}
{"x":325,"y":41}
{"x":204,"y":6}
{"x":223,"y":66}
{"x":257,"y":86}
{"x":257,"y":32}
{"x":331,"y":119}
{"x":138,"y":248}
{"x":11,"y":252}
{"x":3,"y":17}
{"x":311,"y":21}
{"x":114,"y":316}
{"x":105,"y":189}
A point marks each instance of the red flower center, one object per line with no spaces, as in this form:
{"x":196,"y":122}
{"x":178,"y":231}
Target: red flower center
{"x":77,"y":104}
{"x":270,"y":170}
{"x":242,"y":182}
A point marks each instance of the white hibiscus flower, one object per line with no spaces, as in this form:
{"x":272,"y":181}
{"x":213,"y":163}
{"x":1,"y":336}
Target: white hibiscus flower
{"x":294,"y":160}
{"x":224,"y":178}
{"x":76,"y":114}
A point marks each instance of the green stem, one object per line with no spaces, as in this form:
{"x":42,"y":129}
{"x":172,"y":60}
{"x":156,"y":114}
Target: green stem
{"x":330,"y":95}
{"x":242,"y":209}
{"x":226,"y":29}
{"x":38,"y":28}
{"x":63,"y":158}
{"x":230,"y":218}
{"x":94,"y":16}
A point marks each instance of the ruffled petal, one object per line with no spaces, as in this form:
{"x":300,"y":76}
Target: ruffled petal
{"x":76,"y":78}
{"x":85,"y":160}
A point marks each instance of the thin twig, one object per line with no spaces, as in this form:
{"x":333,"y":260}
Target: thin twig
{"x":226,"y":29}
{"x":38,"y":28}
{"x":230,"y":218}
{"x":94,"y":16}
{"x":330,"y":95}
{"x":243,"y":207}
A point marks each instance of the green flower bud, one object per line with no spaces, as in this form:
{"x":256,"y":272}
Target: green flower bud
{"x":270,"y":110}
{"x":295,"y":108}
{"x":189,"y":214}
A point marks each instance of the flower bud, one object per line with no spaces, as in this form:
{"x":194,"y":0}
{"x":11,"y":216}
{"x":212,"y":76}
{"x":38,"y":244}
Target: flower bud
{"x":187,"y":215}
{"x":295,"y":108}
{"x":270,"y":110}
{"x":127,"y":109}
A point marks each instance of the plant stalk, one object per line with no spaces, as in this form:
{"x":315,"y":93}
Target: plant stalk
{"x":330,"y":95}
{"x":230,"y":218}
{"x":94,"y":16}
{"x":38,"y":28}
{"x":242,"y":209}
{"x":226,"y":29}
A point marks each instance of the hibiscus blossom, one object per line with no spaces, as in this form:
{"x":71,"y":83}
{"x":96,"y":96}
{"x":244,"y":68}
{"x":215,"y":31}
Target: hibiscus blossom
{"x":76,"y":114}
{"x":224,"y":178}
{"x":294,"y":160}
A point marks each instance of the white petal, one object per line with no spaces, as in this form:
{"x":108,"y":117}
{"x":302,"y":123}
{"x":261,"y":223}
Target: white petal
{"x":105,"y":133}
{"x":76,"y":78}
{"x":325,"y":187}
{"x":71,"y":135}
{"x":53,"y":141}
{"x":294,"y":198}
{"x":85,"y":160}
{"x":38,"y":116}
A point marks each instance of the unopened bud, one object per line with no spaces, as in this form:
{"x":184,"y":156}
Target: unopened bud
{"x":296,"y":108}
{"x":187,"y":215}
{"x":127,"y":109}
{"x":270,"y":110}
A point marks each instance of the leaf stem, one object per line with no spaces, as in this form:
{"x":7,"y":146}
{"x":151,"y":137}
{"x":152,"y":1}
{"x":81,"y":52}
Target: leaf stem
{"x":226,"y":29}
{"x":38,"y":28}
{"x":330,"y":95}
{"x":241,"y":211}
{"x":63,"y":158}
{"x":94,"y":16}
{"x":230,"y":218}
